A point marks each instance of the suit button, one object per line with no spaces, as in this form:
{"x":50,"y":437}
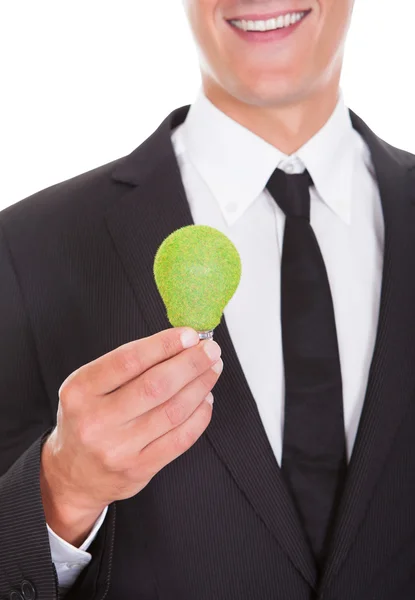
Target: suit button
{"x":28,"y":590}
{"x":15,"y":595}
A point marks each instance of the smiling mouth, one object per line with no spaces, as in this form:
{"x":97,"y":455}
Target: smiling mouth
{"x":282,"y":21}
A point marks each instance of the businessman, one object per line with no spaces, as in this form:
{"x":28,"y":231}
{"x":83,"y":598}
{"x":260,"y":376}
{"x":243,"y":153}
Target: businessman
{"x":139,"y":463}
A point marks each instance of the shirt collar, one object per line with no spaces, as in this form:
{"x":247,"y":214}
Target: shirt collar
{"x":236,"y":164}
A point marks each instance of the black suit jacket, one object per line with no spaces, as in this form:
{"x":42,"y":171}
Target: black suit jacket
{"x":217,"y":523}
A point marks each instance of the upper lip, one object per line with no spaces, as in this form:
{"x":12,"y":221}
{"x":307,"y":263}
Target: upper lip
{"x":266,"y":16}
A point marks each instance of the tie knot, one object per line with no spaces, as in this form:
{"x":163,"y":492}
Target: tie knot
{"x":291,"y":192}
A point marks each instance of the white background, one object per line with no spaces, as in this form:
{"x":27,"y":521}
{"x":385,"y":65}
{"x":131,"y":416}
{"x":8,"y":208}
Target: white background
{"x":85,"y":82}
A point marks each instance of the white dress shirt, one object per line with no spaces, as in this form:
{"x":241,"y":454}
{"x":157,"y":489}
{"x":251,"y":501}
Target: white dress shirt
{"x":225,"y":168}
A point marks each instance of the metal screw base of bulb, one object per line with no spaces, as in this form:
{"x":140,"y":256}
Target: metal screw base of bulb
{"x":206,"y":335}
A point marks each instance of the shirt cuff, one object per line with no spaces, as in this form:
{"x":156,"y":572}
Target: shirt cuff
{"x":63,"y":552}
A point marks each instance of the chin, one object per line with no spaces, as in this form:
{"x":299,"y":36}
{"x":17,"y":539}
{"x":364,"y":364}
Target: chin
{"x":274,"y":90}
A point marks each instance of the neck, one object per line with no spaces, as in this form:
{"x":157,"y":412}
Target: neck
{"x":286,"y":127}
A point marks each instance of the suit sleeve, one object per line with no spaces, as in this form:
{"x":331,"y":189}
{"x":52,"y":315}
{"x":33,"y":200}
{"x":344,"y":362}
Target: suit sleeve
{"x":26,"y":421}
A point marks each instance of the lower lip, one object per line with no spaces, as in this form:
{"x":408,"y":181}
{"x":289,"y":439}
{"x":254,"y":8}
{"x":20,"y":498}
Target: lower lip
{"x":267,"y":36}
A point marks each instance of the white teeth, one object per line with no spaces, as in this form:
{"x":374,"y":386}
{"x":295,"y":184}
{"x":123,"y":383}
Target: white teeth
{"x":280,"y":22}
{"x":269,"y":24}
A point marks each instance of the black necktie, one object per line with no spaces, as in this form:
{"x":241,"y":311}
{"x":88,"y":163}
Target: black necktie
{"x":314,"y":448}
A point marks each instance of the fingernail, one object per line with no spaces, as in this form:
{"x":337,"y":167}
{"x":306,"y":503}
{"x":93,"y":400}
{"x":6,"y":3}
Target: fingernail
{"x":218,"y":366}
{"x":189,"y":337}
{"x":212,"y":349}
{"x":209,"y":398}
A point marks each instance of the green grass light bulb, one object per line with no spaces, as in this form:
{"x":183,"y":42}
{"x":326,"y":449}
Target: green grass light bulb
{"x":197,"y":270}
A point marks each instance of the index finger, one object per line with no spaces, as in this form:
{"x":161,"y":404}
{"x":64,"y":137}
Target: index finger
{"x":116,"y":368}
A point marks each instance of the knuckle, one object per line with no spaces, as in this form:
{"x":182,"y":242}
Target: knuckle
{"x":152,"y":388}
{"x":207,"y":382}
{"x":168,"y":345}
{"x":70,"y":394}
{"x":194,"y":363}
{"x":125,"y":361}
{"x":175,"y":412}
{"x":185,"y":439}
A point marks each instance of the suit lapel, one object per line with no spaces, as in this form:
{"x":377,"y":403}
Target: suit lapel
{"x":154,"y":205}
{"x":391,"y":382}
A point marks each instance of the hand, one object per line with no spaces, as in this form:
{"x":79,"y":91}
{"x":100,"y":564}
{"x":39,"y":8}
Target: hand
{"x":121,"y":419}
